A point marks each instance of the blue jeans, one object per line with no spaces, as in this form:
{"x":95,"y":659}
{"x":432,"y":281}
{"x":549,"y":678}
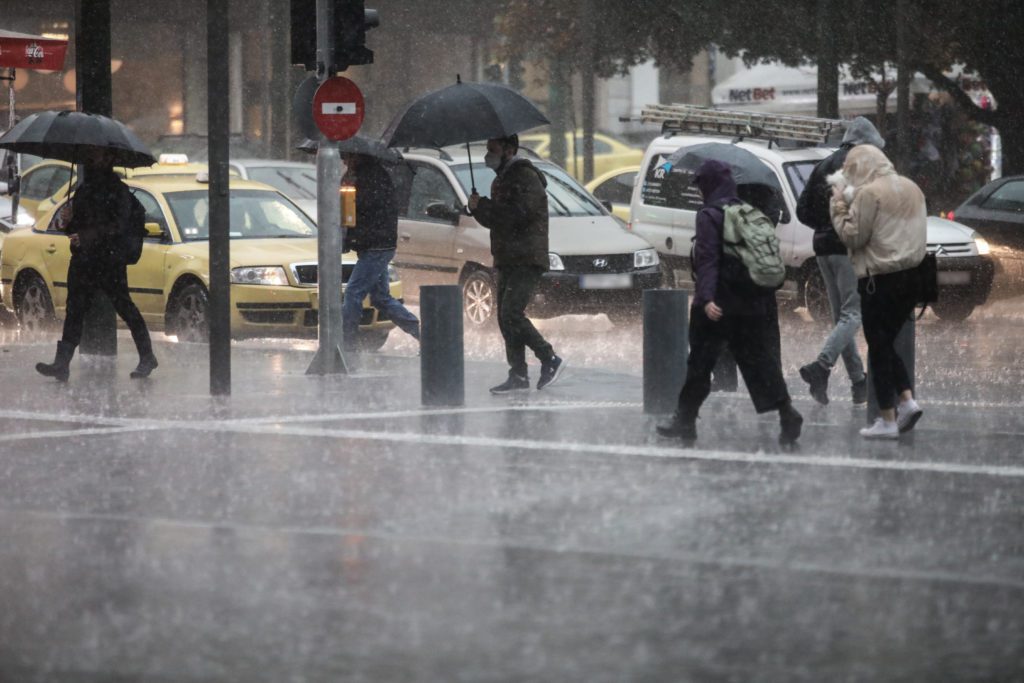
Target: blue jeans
{"x":841,"y":286}
{"x":370,"y":277}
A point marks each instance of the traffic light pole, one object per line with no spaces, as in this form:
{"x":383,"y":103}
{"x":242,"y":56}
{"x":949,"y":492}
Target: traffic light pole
{"x":330,"y":358}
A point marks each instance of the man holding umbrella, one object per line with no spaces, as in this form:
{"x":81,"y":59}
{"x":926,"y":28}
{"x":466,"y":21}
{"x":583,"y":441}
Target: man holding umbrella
{"x":94,"y":220}
{"x":517,"y":216}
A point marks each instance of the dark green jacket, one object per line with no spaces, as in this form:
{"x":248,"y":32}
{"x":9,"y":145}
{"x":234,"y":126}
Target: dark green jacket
{"x":517,"y":216}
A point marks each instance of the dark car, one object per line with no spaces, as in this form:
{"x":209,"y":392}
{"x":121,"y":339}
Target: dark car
{"x":996,"y":212}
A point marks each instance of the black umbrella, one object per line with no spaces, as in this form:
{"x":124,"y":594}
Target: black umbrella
{"x":756,"y":182}
{"x":72,"y":135}
{"x":463,"y":113}
{"x":358,"y":144}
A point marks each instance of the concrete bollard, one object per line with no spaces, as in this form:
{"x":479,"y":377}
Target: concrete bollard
{"x":666,"y":345}
{"x":442,"y":358}
{"x":904,"y":346}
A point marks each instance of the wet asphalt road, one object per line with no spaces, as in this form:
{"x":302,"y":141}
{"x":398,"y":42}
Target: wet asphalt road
{"x":311,"y":529}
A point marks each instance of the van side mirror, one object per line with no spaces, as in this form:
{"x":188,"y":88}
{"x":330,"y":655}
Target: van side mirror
{"x":442,"y":212}
{"x":154,"y":230}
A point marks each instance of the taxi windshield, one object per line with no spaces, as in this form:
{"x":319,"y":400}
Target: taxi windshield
{"x":255,"y":214}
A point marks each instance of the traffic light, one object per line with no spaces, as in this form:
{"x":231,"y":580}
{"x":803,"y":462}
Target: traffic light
{"x":351,"y":22}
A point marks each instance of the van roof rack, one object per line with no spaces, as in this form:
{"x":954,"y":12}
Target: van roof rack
{"x":688,"y":118}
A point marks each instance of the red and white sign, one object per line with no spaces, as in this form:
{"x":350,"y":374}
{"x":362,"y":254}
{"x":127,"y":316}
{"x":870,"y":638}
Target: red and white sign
{"x":24,"y":51}
{"x":338,"y":108}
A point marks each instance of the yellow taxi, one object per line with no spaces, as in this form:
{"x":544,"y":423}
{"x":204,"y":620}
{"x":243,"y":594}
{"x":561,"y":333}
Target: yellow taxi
{"x":614,"y":189}
{"x":273,"y":265}
{"x":609,"y":153}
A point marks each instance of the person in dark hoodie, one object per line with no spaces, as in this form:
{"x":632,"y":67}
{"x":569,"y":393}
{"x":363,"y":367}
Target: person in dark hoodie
{"x":729,"y":311}
{"x":93,"y":221}
{"x":836,"y":270}
{"x":516,"y":213}
{"x":374,"y":239}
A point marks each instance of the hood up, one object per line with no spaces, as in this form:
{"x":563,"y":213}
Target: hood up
{"x":716,"y":184}
{"x":860,"y":131}
{"x":864,"y":164}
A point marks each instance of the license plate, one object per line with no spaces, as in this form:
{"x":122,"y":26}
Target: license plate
{"x":954,"y":277}
{"x":607,"y":281}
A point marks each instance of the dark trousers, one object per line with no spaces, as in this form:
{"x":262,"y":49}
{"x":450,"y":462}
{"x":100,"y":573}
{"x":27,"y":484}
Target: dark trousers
{"x":753,"y":341}
{"x":516,"y":285}
{"x":887,"y":302}
{"x":85,"y":279}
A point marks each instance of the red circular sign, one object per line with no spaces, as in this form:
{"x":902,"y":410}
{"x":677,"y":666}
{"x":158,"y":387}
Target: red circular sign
{"x":338,"y":108}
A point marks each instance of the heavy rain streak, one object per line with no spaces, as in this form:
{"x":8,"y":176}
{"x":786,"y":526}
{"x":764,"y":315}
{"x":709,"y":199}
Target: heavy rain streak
{"x":511,"y":340}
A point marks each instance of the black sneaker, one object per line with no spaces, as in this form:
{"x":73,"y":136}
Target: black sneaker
{"x":678,"y":428}
{"x":860,"y":392}
{"x":816,"y":375}
{"x":513,"y":383}
{"x":550,"y":371}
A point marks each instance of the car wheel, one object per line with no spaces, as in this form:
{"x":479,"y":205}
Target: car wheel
{"x":189,"y":314}
{"x":624,"y":317}
{"x":34,"y":306}
{"x":479,"y":298}
{"x":371,"y":340}
{"x":953,"y":311}
{"x":816,"y":297}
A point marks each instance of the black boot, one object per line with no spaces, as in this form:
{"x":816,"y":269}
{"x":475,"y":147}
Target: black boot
{"x":147,"y":364}
{"x":790,"y":424}
{"x":59,"y":369}
{"x":816,"y":375}
{"x":679,"y":427}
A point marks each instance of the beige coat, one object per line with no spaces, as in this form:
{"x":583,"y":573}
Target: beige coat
{"x":882,"y":217}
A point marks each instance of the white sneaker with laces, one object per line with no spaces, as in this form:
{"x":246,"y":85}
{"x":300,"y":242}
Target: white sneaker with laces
{"x":881,"y":430}
{"x":907,"y":415}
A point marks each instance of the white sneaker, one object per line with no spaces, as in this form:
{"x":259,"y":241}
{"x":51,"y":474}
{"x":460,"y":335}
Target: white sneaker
{"x":881,"y":430}
{"x":907,"y":415}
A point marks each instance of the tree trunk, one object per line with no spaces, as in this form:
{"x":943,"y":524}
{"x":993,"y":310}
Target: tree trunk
{"x":558,"y":109}
{"x":1012,"y":134}
{"x":587,"y":74}
{"x":828,"y":63}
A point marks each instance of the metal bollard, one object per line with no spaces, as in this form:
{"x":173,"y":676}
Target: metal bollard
{"x":666,"y":345}
{"x":904,"y":346}
{"x":442,"y":358}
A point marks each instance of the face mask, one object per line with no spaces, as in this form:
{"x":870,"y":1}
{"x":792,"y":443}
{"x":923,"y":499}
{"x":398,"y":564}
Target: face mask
{"x":492,"y":160}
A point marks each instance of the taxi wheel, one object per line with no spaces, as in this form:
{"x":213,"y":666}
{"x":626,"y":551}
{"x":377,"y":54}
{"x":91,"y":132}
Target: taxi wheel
{"x":189,"y":314}
{"x":952,"y":311}
{"x":33,"y":305}
{"x":816,"y":297}
{"x":372,"y":340}
{"x":479,"y":298}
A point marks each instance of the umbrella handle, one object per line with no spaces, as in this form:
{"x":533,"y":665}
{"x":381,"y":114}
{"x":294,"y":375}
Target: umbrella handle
{"x":472,"y":180}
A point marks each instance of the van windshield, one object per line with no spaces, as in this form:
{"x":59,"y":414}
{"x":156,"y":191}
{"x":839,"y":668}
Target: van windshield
{"x":565,"y":196}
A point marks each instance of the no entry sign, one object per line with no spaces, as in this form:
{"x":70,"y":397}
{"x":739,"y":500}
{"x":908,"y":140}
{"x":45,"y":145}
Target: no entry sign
{"x":338,"y":108}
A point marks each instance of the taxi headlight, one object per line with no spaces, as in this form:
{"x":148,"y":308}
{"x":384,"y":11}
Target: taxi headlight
{"x":259,"y":275}
{"x":555,"y":262}
{"x":982,"y":245}
{"x":645,"y":258}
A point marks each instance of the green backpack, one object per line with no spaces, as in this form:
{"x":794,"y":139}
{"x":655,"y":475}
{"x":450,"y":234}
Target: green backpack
{"x":749,"y":235}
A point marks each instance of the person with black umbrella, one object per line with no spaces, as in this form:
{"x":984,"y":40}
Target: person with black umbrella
{"x":94,"y":219}
{"x":516,"y":213}
{"x":374,"y":238}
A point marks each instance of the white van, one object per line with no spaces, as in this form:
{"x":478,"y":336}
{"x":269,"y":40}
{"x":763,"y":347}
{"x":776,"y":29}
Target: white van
{"x":665,"y":215}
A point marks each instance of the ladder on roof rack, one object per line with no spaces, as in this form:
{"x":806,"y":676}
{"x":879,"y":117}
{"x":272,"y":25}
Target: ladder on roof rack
{"x":688,"y":118}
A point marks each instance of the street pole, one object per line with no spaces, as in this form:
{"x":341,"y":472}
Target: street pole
{"x":93,"y":95}
{"x":329,"y":358}
{"x":218,"y":116}
{"x":903,"y":76}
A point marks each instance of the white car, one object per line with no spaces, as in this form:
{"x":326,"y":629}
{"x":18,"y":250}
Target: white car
{"x":665,"y":215}
{"x":294,"y":179}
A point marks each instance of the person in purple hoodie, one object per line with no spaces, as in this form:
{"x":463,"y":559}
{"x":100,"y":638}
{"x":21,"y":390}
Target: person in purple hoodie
{"x":729,"y":311}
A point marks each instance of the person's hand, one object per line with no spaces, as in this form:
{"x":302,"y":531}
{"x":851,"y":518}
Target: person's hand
{"x":474,"y":200}
{"x":712,"y":311}
{"x":75,"y":241}
{"x":837,"y":192}
{"x":64,"y":215}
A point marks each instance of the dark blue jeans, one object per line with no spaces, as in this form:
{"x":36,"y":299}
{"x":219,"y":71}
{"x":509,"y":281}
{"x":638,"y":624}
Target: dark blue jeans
{"x":515,"y":290}
{"x":370,"y":278}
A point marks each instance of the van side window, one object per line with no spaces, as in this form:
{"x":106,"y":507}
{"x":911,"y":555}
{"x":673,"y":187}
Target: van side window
{"x":669,"y":189}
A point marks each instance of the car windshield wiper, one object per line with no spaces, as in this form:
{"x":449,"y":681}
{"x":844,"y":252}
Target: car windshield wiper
{"x":564,"y":211}
{"x":296,"y":185}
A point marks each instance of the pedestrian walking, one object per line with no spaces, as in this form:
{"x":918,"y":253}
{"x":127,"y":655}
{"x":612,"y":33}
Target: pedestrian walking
{"x":516,"y":213}
{"x":729,"y":311}
{"x":96,"y":220}
{"x":836,"y":271}
{"x":881,"y":217}
{"x":374,"y":239}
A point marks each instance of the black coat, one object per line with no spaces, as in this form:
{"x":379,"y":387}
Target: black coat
{"x":376,"y":209}
{"x":517,"y":215}
{"x":813,"y":206}
{"x":97,"y":209}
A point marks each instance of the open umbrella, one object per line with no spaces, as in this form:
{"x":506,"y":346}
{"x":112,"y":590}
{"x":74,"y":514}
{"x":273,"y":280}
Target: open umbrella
{"x":358,"y":144}
{"x":71,"y":135}
{"x":463,"y":113}
{"x":756,"y":182}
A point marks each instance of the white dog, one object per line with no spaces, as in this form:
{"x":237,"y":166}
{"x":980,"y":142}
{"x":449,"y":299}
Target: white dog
{"x":837,"y":179}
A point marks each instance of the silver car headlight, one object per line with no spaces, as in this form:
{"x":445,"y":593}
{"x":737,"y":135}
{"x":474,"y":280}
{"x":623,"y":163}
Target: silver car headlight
{"x":555,"y":262}
{"x":982,"y":244}
{"x":393,"y":274}
{"x":259,"y":275}
{"x":645,"y":258}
